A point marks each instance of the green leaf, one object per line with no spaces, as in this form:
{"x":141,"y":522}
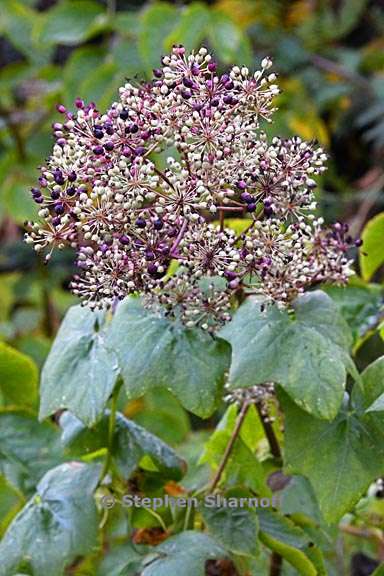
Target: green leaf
{"x":225,"y":36}
{"x":72,"y":22}
{"x":185,"y":553}
{"x":307,"y":353}
{"x":371,"y":252}
{"x":131,"y":444}
{"x":58,"y":524}
{"x":155,"y":352}
{"x":340,"y":458}
{"x":243,"y":466}
{"x":161,"y":413}
{"x":80,"y":65}
{"x":10,"y":501}
{"x":101,"y":84}
{"x":17,"y":23}
{"x":80,"y":372}
{"x":192,"y":27}
{"x":18,"y":376}
{"x":361,"y":305}
{"x":157,"y":22}
{"x":27,"y":448}
{"x":120,"y":560}
{"x":373,"y":379}
{"x":236,"y":529}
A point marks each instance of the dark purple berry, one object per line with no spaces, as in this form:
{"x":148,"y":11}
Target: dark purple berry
{"x":158,"y":224}
{"x":98,"y":150}
{"x":141,"y":223}
{"x":109,"y":146}
{"x":59,"y":208}
{"x":124,"y":115}
{"x":251,"y":207}
{"x":124,"y":240}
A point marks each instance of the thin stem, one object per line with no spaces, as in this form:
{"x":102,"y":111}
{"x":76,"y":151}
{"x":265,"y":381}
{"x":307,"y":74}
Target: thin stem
{"x":229,"y":447}
{"x":179,"y":237}
{"x":269,"y":432}
{"x":276,"y":564}
{"x":111,"y":430}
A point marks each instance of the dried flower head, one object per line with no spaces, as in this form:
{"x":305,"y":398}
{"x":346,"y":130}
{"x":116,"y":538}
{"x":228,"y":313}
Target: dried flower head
{"x":104,"y":193}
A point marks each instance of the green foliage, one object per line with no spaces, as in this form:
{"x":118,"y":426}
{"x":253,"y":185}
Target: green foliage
{"x":18,"y":377}
{"x":372,"y":253}
{"x":154,"y":352}
{"x":57,"y":524}
{"x":186,"y":552}
{"x":80,"y":371}
{"x":340,"y":458}
{"x":330,"y":60}
{"x":130,"y":444}
{"x":307,"y":353}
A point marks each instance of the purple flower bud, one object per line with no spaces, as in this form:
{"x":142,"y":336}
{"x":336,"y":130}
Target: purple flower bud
{"x":241,"y":184}
{"x":55,"y":195}
{"x":212,"y":66}
{"x":36,"y":192}
{"x":72,"y":176}
{"x":358,"y":242}
{"x":124,"y":115}
{"x":61,"y":108}
{"x":157,"y":72}
{"x":79,"y":103}
{"x":56,"y":221}
{"x":195,"y":70}
{"x":140,"y":222}
{"x":38,"y":199}
{"x":98,"y":150}
{"x":109,"y":146}
{"x":71,"y":191}
{"x":186,"y":94}
{"x":251,"y":207}
{"x":140,"y":151}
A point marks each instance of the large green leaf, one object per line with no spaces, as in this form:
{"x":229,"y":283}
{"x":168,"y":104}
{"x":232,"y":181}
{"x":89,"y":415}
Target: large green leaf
{"x":72,"y":22}
{"x":18,"y":376}
{"x":131,"y":444}
{"x":153,"y":351}
{"x":236,"y":529}
{"x":306,"y":352}
{"x":185,"y":553}
{"x":157,"y":22}
{"x":28,"y":449}
{"x":192,"y":27}
{"x":373,"y":378}
{"x":79,"y":373}
{"x":58,"y":524}
{"x":340,"y":458}
{"x":371,"y":252}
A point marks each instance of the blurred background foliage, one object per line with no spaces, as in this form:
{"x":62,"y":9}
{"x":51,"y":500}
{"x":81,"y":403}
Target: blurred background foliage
{"x":330,"y":58}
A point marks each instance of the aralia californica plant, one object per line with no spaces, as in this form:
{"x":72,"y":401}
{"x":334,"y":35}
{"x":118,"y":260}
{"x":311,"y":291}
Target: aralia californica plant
{"x":198,"y":252}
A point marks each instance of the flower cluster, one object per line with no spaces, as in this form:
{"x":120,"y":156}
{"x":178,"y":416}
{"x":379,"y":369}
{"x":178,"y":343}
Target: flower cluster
{"x":107,"y":192}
